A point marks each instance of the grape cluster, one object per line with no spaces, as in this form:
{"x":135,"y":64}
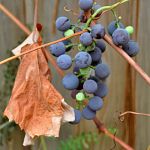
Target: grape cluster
{"x":121,"y":37}
{"x":89,"y":72}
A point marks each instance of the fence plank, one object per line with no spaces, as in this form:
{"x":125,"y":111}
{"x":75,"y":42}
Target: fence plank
{"x":142,"y":89}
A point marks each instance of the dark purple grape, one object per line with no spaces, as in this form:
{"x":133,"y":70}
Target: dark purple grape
{"x":88,"y":114}
{"x":98,"y":31}
{"x":132,"y":48}
{"x":96,"y":55}
{"x":102,"y":90}
{"x":63,"y":23}
{"x":86,"y":39}
{"x":102,"y":71}
{"x":80,"y":86}
{"x":113,"y":26}
{"x":94,"y":78}
{"x":86,"y":4}
{"x":57,"y":49}
{"x":83,"y":60}
{"x":76,"y":69}
{"x":120,"y":37}
{"x":90,"y":86}
{"x":70,"y":81}
{"x":95,"y":103}
{"x":96,"y":62}
{"x":64,"y":62}
{"x":101,"y":45}
{"x":96,"y":7}
{"x":77,"y":117}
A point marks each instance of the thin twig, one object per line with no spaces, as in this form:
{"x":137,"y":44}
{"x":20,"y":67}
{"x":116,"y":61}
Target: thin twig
{"x":15,"y":20}
{"x":121,"y":116}
{"x":70,"y":10}
{"x":102,"y":128}
{"x":39,"y":47}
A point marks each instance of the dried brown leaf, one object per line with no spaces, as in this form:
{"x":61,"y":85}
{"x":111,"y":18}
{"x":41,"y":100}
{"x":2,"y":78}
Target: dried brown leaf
{"x":35,"y":104}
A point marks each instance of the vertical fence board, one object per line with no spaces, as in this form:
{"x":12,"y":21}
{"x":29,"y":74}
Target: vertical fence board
{"x":143,"y":90}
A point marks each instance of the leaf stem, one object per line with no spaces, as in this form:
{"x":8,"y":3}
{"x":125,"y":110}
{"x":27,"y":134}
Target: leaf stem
{"x":116,"y":18}
{"x":71,"y":45}
{"x":102,"y":9}
{"x":43,"y":143}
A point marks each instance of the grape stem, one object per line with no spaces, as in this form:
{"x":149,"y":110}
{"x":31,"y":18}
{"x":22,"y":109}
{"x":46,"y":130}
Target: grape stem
{"x":75,"y":26}
{"x":101,"y":10}
{"x":70,"y":45}
{"x":116,"y":18}
{"x":93,"y":67}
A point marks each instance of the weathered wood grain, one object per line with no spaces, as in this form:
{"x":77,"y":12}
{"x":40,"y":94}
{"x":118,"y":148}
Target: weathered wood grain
{"x":142,"y":89}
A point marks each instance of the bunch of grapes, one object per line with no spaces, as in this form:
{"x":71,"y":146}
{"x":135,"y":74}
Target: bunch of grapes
{"x":89,"y":72}
{"x":121,"y":37}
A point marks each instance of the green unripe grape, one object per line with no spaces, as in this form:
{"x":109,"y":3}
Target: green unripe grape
{"x":80,"y":96}
{"x":119,"y":17}
{"x":130,"y":29}
{"x":69,"y":33}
